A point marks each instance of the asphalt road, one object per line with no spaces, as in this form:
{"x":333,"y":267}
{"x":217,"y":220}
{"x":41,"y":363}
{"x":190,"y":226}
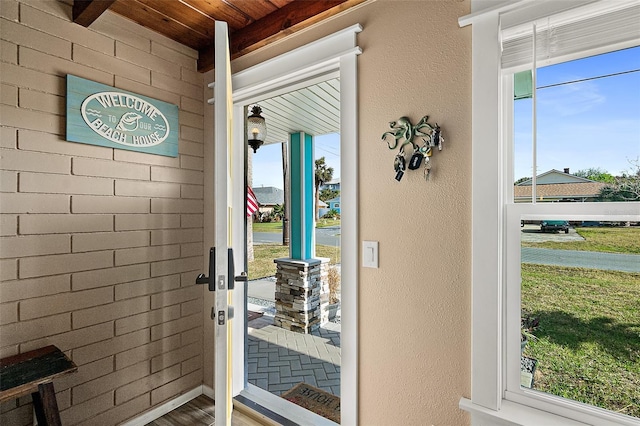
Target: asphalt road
{"x":329,"y":236}
{"x":582,"y":259}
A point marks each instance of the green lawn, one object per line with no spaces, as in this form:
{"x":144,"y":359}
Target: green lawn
{"x":277,"y":226}
{"x":600,"y":239}
{"x":588,"y":341}
{"x":263,"y":265}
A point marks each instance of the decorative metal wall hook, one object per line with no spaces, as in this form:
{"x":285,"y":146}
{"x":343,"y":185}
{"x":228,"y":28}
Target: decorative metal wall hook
{"x":402,"y":133}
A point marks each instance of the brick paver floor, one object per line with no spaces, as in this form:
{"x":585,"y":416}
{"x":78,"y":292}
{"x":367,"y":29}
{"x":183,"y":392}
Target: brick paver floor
{"x":279,"y":359}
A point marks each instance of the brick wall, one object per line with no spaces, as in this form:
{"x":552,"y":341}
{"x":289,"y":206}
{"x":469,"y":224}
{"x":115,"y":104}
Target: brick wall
{"x":99,"y":247}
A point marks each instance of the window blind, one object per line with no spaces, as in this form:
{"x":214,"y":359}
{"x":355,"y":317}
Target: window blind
{"x":573,"y":33}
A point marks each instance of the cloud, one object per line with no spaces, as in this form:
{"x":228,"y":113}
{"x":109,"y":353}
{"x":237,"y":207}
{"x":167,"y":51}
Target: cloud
{"x":570,"y":99}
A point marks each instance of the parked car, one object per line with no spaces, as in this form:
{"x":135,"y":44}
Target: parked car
{"x":554,"y":225}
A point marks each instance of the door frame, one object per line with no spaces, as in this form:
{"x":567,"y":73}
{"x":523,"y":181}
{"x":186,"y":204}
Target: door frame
{"x":329,"y":57}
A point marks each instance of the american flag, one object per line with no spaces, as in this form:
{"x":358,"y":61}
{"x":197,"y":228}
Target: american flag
{"x":252,"y":202}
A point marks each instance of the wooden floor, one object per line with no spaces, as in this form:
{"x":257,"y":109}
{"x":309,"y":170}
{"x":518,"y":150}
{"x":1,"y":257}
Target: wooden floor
{"x":199,"y":412}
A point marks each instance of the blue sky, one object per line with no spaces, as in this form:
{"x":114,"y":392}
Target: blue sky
{"x":267,"y":162}
{"x":588,"y":124}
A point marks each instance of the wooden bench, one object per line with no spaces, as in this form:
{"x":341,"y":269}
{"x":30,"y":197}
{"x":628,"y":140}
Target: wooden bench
{"x":33,"y":372}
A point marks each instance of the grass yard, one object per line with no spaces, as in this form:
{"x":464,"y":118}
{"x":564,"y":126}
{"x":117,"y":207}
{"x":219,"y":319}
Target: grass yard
{"x":263,"y":265}
{"x":600,"y":239}
{"x":277,"y":226}
{"x":588,"y":340}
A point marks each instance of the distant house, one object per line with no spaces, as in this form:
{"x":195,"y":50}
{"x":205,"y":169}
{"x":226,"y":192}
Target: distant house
{"x":554,"y":186}
{"x":268,"y":197}
{"x":333,"y":185}
{"x":334,"y":204}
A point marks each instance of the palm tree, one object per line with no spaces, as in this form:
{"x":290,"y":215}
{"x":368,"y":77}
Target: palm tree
{"x":323,"y":175}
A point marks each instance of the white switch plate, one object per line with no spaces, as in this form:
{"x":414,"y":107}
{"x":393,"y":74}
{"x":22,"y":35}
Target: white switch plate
{"x":370,"y":254}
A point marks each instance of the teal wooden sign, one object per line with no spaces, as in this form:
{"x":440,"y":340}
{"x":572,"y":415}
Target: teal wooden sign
{"x":102,"y":115}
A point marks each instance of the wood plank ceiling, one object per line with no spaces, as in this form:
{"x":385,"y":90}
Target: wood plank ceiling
{"x":252,"y":23}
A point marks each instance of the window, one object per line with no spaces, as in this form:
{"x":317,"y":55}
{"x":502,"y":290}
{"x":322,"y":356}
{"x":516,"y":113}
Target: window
{"x":502,"y":283}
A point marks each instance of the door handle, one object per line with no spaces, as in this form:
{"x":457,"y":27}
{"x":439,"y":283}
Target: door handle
{"x":202,"y":278}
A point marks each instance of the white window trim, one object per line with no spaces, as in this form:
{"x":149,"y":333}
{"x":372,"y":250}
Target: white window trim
{"x":490,"y":195}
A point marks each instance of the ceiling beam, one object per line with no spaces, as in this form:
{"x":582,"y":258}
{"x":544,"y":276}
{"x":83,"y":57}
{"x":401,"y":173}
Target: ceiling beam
{"x":85,"y":12}
{"x":279,"y":24}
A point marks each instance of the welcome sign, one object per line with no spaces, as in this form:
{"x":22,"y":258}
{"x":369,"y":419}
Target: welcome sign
{"x":103,"y":115}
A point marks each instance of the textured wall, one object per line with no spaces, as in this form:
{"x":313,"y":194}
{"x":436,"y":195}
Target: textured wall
{"x":99,"y":247}
{"x":414,"y":322}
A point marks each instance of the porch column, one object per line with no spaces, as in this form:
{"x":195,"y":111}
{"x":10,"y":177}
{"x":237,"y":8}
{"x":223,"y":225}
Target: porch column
{"x":299,"y":278}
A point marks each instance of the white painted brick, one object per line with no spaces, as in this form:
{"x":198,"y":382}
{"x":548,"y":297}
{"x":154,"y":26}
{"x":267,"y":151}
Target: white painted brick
{"x":176,"y":206}
{"x":192,"y":76}
{"x":29,"y":37}
{"x":8,"y":181}
{"x":190,"y":119}
{"x":57,"y":66}
{"x":100,"y":61}
{"x":144,"y":89}
{"x":64,"y":223}
{"x":32,"y":79}
{"x":37,"y":287}
{"x":42,"y":102}
{"x":109,"y":240}
{"x":144,"y":287}
{"x":168,"y":174}
{"x":9,"y":10}
{"x":70,"y":340}
{"x":191,"y":148}
{"x":91,"y":204}
{"x":110,"y":347}
{"x":46,"y":142}
{"x":187,"y":60}
{"x":146,"y":254}
{"x":9,"y":95}
{"x":64,"y":302}
{"x":173,"y":297}
{"x":62,"y":263}
{"x":34,"y":203}
{"x":130,"y":222}
{"x":175,"y":236}
{"x":192,"y":134}
{"x":8,"y":224}
{"x":192,"y":191}
{"x":147,"y":60}
{"x":147,"y":189}
{"x":30,"y":161}
{"x":86,"y":371}
{"x":8,"y":313}
{"x":34,"y":245}
{"x":61,"y":184}
{"x":192,"y":249}
{"x":8,"y":137}
{"x":191,"y":307}
{"x":110,"y":312}
{"x":147,"y":319}
{"x":103,"y":168}
{"x":192,"y":105}
{"x":191,"y":221}
{"x":61,"y":28}
{"x":120,"y":412}
{"x":24,"y":331}
{"x":141,"y":157}
{"x":165,"y":82}
{"x":33,"y":120}
{"x":141,"y":353}
{"x":107,"y":277}
{"x":192,"y":364}
{"x":8,"y":269}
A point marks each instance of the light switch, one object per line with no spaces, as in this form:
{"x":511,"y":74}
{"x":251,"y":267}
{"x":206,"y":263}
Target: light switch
{"x":370,"y":254}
